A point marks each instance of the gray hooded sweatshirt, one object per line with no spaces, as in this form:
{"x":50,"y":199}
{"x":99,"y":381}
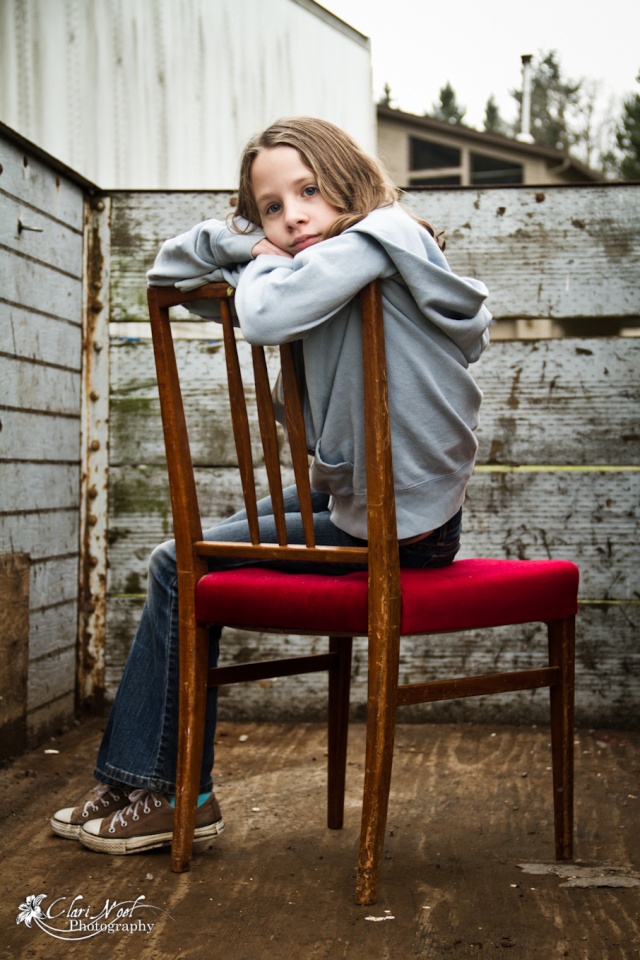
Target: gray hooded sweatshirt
{"x":436,"y":324}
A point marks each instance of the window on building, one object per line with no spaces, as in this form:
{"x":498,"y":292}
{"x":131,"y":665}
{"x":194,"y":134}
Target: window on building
{"x":428,"y":155}
{"x":486,"y":169}
{"x":450,"y":181}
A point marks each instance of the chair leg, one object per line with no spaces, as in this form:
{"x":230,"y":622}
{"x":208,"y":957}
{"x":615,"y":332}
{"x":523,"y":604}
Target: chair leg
{"x":193,"y":695}
{"x":338,"y":729}
{"x":562,"y":655}
{"x":381,"y":724}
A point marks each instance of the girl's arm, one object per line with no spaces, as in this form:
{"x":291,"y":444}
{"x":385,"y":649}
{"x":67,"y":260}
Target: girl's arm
{"x":202,"y":254}
{"x":278,"y":299}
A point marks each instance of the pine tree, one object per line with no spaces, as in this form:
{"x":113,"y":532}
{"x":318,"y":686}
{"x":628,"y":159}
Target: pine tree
{"x":628,"y":138}
{"x":448,"y":108}
{"x":386,"y":98}
{"x":493,"y":122}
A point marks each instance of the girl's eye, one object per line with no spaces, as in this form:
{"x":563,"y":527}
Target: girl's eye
{"x":310,"y":191}
{"x":272,"y":208}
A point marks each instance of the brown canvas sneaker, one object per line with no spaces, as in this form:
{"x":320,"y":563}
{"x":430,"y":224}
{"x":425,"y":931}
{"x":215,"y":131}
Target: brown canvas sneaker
{"x":147,"y":822}
{"x":101,"y":801}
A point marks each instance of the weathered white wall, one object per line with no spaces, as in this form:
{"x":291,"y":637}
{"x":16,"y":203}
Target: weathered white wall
{"x":164,"y":93}
{"x":41,"y":269}
{"x":559,"y":462}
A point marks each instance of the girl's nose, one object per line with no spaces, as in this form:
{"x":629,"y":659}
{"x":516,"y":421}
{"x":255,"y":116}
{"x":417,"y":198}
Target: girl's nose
{"x":295,"y":213}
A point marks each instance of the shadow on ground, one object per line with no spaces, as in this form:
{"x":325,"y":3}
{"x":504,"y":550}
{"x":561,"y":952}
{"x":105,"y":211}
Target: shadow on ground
{"x":468,"y":869}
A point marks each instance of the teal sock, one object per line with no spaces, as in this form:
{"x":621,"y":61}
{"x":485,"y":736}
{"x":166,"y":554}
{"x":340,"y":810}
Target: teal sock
{"x":202,"y":798}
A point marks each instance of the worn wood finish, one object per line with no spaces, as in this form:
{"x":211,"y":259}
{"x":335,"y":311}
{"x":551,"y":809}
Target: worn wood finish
{"x":270,"y":445}
{"x":35,"y":336}
{"x":607,"y":647}
{"x":240,"y":424}
{"x":569,"y":255}
{"x":534,"y":514}
{"x":549,"y":402}
{"x":554,"y":402}
{"x":385,"y":602}
{"x":558,"y":252}
{"x":41,"y":274}
{"x":142,"y":221}
{"x":31,"y":180}
{"x":561,"y":635}
{"x":134,"y":397}
{"x":560,"y":404}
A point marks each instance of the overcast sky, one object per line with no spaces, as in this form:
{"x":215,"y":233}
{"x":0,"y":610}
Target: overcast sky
{"x":417,"y":45}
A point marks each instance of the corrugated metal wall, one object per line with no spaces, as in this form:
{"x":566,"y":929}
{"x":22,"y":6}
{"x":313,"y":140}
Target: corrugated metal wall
{"x":164,"y":93}
{"x":41,"y":268}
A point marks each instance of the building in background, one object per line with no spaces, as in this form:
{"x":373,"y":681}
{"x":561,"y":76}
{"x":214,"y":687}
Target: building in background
{"x":423,"y":152}
{"x":163,"y":94}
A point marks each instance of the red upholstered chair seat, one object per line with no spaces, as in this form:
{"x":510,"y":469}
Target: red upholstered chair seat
{"x":468,"y":594}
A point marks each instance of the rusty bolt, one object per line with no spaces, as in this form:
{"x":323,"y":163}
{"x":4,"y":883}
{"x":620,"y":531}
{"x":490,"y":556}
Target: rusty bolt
{"x":97,"y":347}
{"x":92,"y":519}
{"x":94,"y":396}
{"x":97,"y":306}
{"x":94,"y":445}
{"x":540,"y":198}
{"x":93,"y":561}
{"x":92,"y":492}
{"x":99,"y":205}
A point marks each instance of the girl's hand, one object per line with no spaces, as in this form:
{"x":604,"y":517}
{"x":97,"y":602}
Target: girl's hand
{"x":265,"y":246}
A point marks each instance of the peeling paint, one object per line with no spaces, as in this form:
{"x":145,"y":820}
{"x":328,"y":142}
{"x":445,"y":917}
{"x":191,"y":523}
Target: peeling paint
{"x":579,"y":875}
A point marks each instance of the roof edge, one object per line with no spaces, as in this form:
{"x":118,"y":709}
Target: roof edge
{"x":32,"y":148}
{"x":334,"y":21}
{"x":493,"y":139}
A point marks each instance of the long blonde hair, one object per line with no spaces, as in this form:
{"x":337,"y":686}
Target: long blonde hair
{"x":348,"y":178}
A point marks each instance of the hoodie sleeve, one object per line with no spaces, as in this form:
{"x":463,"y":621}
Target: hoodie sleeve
{"x":209,"y":251}
{"x":279,"y":300}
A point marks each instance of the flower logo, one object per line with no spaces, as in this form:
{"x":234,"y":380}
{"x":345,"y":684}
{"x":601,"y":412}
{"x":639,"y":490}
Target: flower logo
{"x":31,"y":909}
{"x":75,"y":919}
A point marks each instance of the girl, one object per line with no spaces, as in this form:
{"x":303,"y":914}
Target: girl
{"x":316,"y":220}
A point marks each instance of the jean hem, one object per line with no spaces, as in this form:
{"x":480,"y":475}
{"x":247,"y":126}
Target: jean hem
{"x":121,"y":778}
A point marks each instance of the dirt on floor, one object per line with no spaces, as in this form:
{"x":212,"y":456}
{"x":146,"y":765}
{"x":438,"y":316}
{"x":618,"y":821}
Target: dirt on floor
{"x":468,"y":868}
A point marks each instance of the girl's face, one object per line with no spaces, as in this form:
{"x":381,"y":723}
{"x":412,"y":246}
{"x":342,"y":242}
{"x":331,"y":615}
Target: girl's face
{"x":293,"y":213}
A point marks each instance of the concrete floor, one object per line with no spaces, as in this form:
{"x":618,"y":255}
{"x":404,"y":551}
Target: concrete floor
{"x":468,"y":869}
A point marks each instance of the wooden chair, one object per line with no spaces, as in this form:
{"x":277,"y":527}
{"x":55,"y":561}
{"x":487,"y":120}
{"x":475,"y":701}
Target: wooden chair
{"x":382,"y":604}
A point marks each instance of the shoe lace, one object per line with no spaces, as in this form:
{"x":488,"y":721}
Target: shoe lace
{"x":101,"y":795}
{"x":139,"y":799}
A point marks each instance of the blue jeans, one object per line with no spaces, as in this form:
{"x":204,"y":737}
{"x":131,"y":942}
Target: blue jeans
{"x":139,"y":745}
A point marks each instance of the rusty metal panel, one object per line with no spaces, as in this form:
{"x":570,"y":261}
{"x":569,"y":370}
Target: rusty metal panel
{"x":92,"y":595}
{"x":14,"y":652}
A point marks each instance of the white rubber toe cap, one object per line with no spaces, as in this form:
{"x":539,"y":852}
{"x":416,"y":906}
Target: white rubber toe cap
{"x":93,"y":826}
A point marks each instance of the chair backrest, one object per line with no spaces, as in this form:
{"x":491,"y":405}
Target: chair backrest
{"x":381,"y":554}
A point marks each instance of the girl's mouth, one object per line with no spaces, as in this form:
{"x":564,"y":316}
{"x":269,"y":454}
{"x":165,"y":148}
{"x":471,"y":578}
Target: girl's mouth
{"x":306,"y":240}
